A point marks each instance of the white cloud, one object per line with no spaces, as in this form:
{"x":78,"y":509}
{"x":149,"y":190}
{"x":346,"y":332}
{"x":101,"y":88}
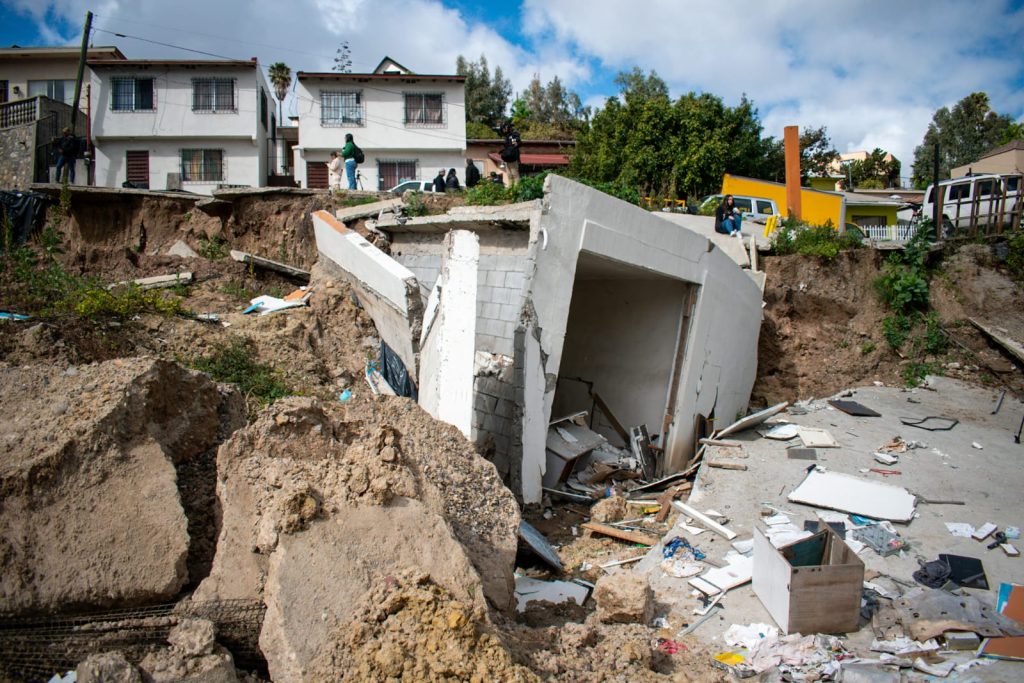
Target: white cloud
{"x":872,"y":71}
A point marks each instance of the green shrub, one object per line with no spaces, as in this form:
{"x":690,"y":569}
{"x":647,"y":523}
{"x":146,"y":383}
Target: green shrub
{"x":213,"y":249}
{"x":821,"y":241}
{"x":1015,"y":255}
{"x":92,"y":300}
{"x":935,"y":341}
{"x":487,"y":193}
{"x":710,"y":207}
{"x":902,"y":288}
{"x":235,"y":362}
{"x":866,"y":348}
{"x":896,"y":329}
{"x":529,"y":188}
{"x":414,"y":205}
{"x":915,"y":372}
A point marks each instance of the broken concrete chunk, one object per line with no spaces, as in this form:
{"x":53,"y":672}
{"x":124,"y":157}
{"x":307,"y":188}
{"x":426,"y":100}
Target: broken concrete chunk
{"x":624,"y":598}
{"x":107,"y":667}
{"x":193,"y":637}
{"x":610,"y":509}
{"x":181,"y":249}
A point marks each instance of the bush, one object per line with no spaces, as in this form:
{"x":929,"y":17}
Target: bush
{"x":822,"y":241}
{"x":487,"y":193}
{"x":414,"y":205}
{"x":710,"y":207}
{"x":1015,"y":255}
{"x":92,"y":300}
{"x":935,"y":341}
{"x":213,"y":249}
{"x":902,"y":289}
{"x":896,"y":329}
{"x":235,"y":362}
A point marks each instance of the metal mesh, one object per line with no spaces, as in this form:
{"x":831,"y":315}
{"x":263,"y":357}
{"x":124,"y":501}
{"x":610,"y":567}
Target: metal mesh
{"x":35,"y":648}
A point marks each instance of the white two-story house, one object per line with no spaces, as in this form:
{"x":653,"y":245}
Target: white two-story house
{"x":408,"y":125}
{"x":189,"y":125}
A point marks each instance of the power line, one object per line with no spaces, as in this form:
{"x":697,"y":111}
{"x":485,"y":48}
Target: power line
{"x":157,"y":42}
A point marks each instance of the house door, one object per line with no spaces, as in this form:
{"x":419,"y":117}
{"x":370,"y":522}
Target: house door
{"x":3,"y":91}
{"x":316,"y":175}
{"x":137,"y":168}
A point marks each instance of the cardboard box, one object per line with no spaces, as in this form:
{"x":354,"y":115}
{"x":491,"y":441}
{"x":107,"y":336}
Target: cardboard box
{"x":813,"y":585}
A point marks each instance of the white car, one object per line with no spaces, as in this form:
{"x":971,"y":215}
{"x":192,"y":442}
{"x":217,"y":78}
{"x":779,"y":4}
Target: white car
{"x":980,"y":199}
{"x":417,"y":185}
{"x":752,"y":208}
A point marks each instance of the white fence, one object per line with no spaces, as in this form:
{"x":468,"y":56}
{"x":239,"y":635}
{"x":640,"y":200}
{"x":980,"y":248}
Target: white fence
{"x":901,"y":232}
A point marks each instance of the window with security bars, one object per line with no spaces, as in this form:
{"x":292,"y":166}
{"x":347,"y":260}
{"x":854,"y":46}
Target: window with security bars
{"x":424,"y":109}
{"x":131,"y":94}
{"x":202,"y":165}
{"x":393,"y":172}
{"x":341,"y":108}
{"x":213,"y":94}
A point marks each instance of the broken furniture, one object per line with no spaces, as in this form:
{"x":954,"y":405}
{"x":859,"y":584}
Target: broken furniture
{"x":813,"y":585}
{"x":567,"y":442}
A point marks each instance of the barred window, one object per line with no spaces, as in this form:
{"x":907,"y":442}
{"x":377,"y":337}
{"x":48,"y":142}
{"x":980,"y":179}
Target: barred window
{"x":341,"y":108}
{"x":202,"y":165}
{"x":213,"y":94}
{"x":424,"y":109}
{"x":131,"y":94}
{"x":393,"y":172}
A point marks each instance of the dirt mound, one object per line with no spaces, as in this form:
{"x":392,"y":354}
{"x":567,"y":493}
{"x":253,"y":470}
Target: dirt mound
{"x":823,"y":333}
{"x":408,"y":628}
{"x":320,"y":499}
{"x":89,"y":492}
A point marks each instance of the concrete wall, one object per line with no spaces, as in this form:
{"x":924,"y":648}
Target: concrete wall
{"x":502,"y":268}
{"x":720,"y":360}
{"x":1010,"y":161}
{"x":621,"y":335}
{"x":428,"y":162}
{"x":386,"y":289}
{"x":17,"y":157}
{"x":447,"y":349}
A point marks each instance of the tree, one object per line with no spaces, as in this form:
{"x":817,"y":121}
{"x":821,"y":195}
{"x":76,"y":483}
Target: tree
{"x":963,"y":134}
{"x":486,"y":97}
{"x":343,"y":59}
{"x":555,"y":112}
{"x":280,"y":75}
{"x":878,"y":170}
{"x":644,"y":140}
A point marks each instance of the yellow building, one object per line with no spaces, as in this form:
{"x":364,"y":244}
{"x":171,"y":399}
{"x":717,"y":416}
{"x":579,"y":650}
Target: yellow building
{"x":818,"y":207}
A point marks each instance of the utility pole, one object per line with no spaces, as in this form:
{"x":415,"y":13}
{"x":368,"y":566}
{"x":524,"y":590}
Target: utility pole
{"x":78,"y":80}
{"x":936,"y":195}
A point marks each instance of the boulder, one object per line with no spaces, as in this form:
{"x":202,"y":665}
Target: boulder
{"x":107,"y":667}
{"x":89,"y":494}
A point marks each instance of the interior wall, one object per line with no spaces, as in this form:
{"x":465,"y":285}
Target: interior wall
{"x":620,"y":335}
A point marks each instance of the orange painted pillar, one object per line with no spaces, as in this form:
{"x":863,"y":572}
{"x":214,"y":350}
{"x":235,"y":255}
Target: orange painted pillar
{"x":791,"y":137}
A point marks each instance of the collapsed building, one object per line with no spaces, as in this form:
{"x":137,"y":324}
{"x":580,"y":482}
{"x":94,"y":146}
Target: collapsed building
{"x":509,"y":316}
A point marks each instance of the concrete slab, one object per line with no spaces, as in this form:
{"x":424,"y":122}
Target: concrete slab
{"x":351,"y":213}
{"x":988,"y":481}
{"x":705,"y":226}
{"x":477,"y":218}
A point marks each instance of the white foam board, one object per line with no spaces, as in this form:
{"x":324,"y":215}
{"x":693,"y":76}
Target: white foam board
{"x":836,"y":491}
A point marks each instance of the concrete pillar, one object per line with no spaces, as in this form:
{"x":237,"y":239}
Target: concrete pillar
{"x":792,"y":147}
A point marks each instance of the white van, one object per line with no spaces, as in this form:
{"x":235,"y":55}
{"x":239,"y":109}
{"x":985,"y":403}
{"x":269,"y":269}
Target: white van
{"x":978,"y":199}
{"x":752,"y":208}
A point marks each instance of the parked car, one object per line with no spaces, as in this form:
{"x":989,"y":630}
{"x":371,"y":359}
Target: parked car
{"x":752,"y":208}
{"x":417,"y":185}
{"x":977,"y":198}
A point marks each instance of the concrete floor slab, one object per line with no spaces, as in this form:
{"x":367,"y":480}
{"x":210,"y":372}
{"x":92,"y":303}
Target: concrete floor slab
{"x":988,"y":480}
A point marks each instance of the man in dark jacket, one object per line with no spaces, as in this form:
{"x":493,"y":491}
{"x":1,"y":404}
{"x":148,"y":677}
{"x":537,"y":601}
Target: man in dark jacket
{"x":67,"y":152}
{"x":510,"y":154}
{"x":451,"y":183}
{"x":439,"y":181}
{"x":472,"y":174}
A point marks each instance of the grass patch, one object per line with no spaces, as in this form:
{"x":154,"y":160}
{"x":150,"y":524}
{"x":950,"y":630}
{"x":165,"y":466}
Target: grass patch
{"x":347,"y":200}
{"x":867,"y":347}
{"x":821,"y":241}
{"x":1015,"y":255}
{"x":213,"y":249}
{"x":235,"y":362}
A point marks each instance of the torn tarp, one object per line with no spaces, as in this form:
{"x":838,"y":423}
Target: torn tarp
{"x":26,"y":211}
{"x":393,"y":370}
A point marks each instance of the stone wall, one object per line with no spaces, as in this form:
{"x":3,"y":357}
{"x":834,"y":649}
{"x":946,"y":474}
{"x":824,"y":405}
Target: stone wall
{"x":17,"y":157}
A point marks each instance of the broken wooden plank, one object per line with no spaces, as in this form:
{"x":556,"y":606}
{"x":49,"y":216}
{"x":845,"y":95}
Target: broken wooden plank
{"x":706,"y":521}
{"x":1011,"y":346}
{"x":157,"y":281}
{"x":721,"y":442}
{"x":260,"y":262}
{"x":621,"y":534}
{"x":667,"y":497}
{"x":751,"y":420}
{"x":722,"y":465}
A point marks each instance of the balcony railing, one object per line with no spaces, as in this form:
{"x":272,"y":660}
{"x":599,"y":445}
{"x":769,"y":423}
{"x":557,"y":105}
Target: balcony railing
{"x":20,"y":112}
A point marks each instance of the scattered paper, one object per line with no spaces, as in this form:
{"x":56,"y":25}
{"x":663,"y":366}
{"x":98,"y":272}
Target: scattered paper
{"x":940,"y":669}
{"x":984,"y":531}
{"x":748,"y":636}
{"x":681,"y":569}
{"x":743,"y":546}
{"x":975,"y":444}
{"x":960,"y":529}
{"x":782,"y":432}
{"x":695,"y":530}
{"x":775,"y":520}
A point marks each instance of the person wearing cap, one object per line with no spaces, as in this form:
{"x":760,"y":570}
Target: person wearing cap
{"x":67,"y":152}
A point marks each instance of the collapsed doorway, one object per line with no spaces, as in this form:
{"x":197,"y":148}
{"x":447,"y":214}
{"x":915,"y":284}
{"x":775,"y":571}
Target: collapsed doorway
{"x":625,"y":343}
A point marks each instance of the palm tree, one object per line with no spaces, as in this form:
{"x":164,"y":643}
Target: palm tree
{"x":281,"y":78}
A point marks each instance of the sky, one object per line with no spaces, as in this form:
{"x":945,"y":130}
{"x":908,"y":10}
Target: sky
{"x":872,"y":71}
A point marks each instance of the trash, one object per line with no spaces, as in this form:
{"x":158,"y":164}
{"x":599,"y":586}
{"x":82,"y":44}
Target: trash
{"x":670,"y":647}
{"x":621,"y":534}
{"x":879,"y":539}
{"x":984,"y":531}
{"x":886,"y":459}
{"x":695,"y":530}
{"x":345,"y":395}
{"x":260,"y":262}
{"x":927,"y":613}
{"x":1010,"y":549}
{"x":677,"y":544}
{"x":730,"y":658}
{"x":1000,"y":538}
{"x":932,"y":423}
{"x":885,"y":473}
{"x":903,"y":646}
{"x":538,"y":544}
{"x":1011,"y":601}
{"x":704,"y":519}
{"x":940,"y":669}
{"x":1012,"y":532}
{"x":962,"y":640}
{"x":738,"y":571}
{"x":660,"y":622}
{"x":681,"y":569}
{"x":813,"y":437}
{"x":751,"y":420}
{"x":266,"y":304}
{"x":13,"y":316}
{"x":748,"y":636}
{"x":744,"y":546}
{"x":566,"y":443}
{"x":976,"y":445}
{"x":782,"y":432}
{"x":810,"y":586}
{"x":844,"y":492}
{"x":966,"y":571}
{"x":854,"y":408}
{"x":801,"y":454}
{"x":558,"y":592}
{"x":960,"y":529}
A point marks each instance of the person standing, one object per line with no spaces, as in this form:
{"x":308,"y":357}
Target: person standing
{"x":728,"y":218}
{"x":334,"y":172}
{"x":451,"y":183}
{"x":472,"y":174}
{"x":67,"y":152}
{"x":510,"y":153}
{"x":439,"y":181}
{"x":348,"y":152}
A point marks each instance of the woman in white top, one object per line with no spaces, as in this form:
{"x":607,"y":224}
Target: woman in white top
{"x":334,"y":167}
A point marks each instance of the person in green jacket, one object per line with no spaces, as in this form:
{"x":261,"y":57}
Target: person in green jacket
{"x":348,"y":152}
